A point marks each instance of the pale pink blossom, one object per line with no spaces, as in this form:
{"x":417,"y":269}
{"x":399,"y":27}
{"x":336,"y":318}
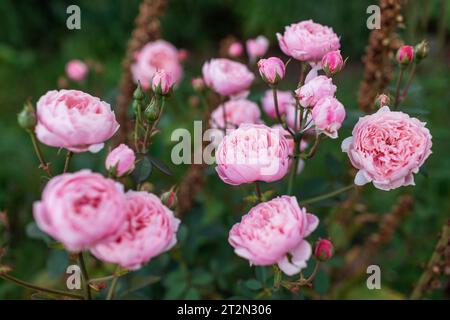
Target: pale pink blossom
{"x":328,"y":115}
{"x":227,"y":77}
{"x":155,"y":56}
{"x":74,"y":120}
{"x":285,"y":100}
{"x":76,"y":70}
{"x":121,"y":159}
{"x":236,"y":112}
{"x":272,"y":69}
{"x":81,"y":209}
{"x":149,"y":230}
{"x":253,"y":152}
{"x":314,"y":90}
{"x":257,"y":47}
{"x":387,"y":148}
{"x":235,"y":50}
{"x":308,"y":41}
{"x":274,"y":232}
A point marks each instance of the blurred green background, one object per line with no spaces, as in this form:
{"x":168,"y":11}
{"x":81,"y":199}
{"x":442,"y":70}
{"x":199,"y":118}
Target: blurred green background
{"x":34,"y":47}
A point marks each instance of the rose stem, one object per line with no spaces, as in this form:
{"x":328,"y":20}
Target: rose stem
{"x":327,"y":195}
{"x":87,"y":288}
{"x":397,"y":90}
{"x":39,"y":154}
{"x":69,"y":156}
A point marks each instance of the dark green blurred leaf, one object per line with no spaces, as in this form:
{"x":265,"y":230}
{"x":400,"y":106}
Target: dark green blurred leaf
{"x":253,"y":284}
{"x":34,"y":232}
{"x":142,"y":170}
{"x":158,"y":163}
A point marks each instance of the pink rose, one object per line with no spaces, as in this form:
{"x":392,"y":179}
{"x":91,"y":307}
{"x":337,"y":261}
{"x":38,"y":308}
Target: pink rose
{"x":273,"y":232}
{"x":332,"y":62}
{"x":235,"y":49}
{"x":253,"y":152}
{"x":76,"y":70}
{"x":272,"y":70}
{"x":162,"y":83}
{"x":308,"y":41}
{"x":405,"y":55}
{"x":237,"y":112}
{"x":227,"y":77}
{"x":81,"y":209}
{"x":314,"y":90}
{"x":257,"y":47}
{"x":121,"y":159}
{"x":388,"y":147}
{"x":154,"y":56}
{"x":285,"y":99}
{"x":328,"y":115}
{"x":74,"y":120}
{"x":150,"y":229}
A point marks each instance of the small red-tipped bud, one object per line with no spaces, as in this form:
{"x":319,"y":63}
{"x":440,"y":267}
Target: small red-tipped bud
{"x":405,"y":55}
{"x":382,"y":100}
{"x":169,"y":198}
{"x":323,"y":250}
{"x":332,"y":62}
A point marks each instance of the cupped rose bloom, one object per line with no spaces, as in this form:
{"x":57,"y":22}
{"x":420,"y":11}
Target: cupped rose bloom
{"x":388,"y":147}
{"x":274,"y":232}
{"x":257,"y":47}
{"x":236,"y":112}
{"x":150,"y":229}
{"x":285,"y":100}
{"x":155,"y":56}
{"x":74,"y":120}
{"x":332,"y":62}
{"x":162,"y":82}
{"x":253,"y":152}
{"x":328,"y":115}
{"x":314,"y":90}
{"x":227,"y":77}
{"x":235,"y":49}
{"x":81,"y":209}
{"x":308,"y":41}
{"x":76,"y":70}
{"x":272,"y":70}
{"x":121,"y":159}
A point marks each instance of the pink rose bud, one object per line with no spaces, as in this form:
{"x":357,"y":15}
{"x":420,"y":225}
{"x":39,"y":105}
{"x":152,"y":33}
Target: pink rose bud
{"x":382,"y":100}
{"x":183,"y":54}
{"x":76,"y":70}
{"x":198,"y":84}
{"x":169,"y":199}
{"x":162,"y":83}
{"x":235,"y":49}
{"x":332,"y":62}
{"x":272,"y":70}
{"x":387,"y":148}
{"x":328,"y":115}
{"x":323,"y":250}
{"x":81,"y":209}
{"x":120,"y":160}
{"x":257,"y":47}
{"x":405,"y":55}
{"x":274,"y":232}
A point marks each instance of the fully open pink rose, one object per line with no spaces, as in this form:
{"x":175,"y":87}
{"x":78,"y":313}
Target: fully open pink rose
{"x":76,"y":70}
{"x":227,"y":77}
{"x":155,"y":56}
{"x":285,"y":100}
{"x":236,"y":112}
{"x":74,"y":120}
{"x":273,"y":232}
{"x":328,"y":115}
{"x":253,"y":152}
{"x":388,"y":147}
{"x":81,"y":209}
{"x":314,"y":90}
{"x":122,"y":159}
{"x":308,"y":41}
{"x":150,"y":229}
{"x":257,"y":47}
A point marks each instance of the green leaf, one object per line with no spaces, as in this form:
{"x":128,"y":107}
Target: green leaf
{"x":33,"y":232}
{"x":261,"y":274}
{"x":160,"y":165}
{"x":176,"y":291}
{"x":192,"y":294}
{"x":142,"y":170}
{"x":202,"y":278}
{"x":253,"y":284}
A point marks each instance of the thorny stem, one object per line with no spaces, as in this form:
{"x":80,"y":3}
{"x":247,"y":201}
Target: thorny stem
{"x":38,"y":288}
{"x":148,"y":133}
{"x":327,"y":195}
{"x":115,"y":279}
{"x":294,"y":165}
{"x":408,"y":82}
{"x":87,"y":288}
{"x":397,"y":90}
{"x":301,"y":80}
{"x":69,"y":156}
{"x":313,"y":150}
{"x":43,"y":164}
{"x":277,"y":111}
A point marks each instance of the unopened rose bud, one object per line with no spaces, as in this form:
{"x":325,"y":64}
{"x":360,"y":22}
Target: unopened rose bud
{"x":138,"y":93}
{"x":235,"y":49}
{"x":120,"y":160}
{"x":198,"y":84}
{"x":405,"y":55}
{"x":421,"y":50}
{"x":323,"y":250}
{"x":182,"y":54}
{"x":272,"y":70}
{"x":27,"y":117}
{"x":332,"y":62}
{"x":152,"y":110}
{"x":162,"y":83}
{"x":169,"y":199}
{"x":382,"y":100}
